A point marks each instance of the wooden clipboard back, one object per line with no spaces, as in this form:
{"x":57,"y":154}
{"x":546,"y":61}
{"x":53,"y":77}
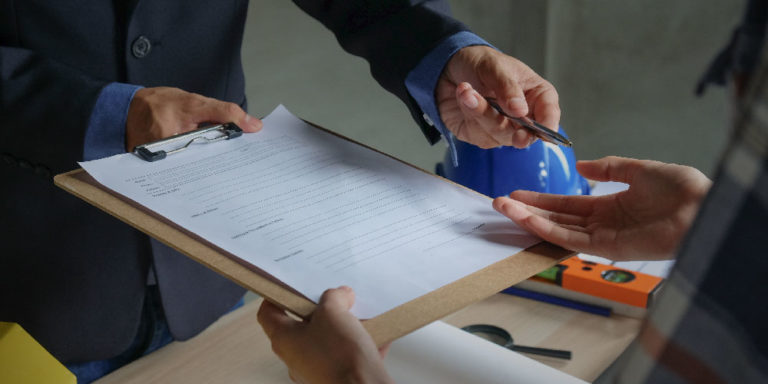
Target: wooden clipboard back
{"x":384,"y":328}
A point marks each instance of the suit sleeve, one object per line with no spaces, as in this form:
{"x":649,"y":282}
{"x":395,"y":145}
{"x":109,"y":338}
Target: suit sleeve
{"x":393,"y":36}
{"x":45,"y":108}
{"x":422,"y":82}
{"x":105,"y":135}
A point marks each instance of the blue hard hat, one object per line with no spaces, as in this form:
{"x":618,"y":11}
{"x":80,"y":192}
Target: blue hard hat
{"x":542,"y":167}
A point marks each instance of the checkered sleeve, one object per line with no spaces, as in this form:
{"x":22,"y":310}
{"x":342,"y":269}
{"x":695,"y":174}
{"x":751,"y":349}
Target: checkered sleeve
{"x":710,"y":323}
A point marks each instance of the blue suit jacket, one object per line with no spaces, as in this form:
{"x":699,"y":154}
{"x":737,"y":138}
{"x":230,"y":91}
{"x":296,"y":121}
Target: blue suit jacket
{"x":71,"y":275}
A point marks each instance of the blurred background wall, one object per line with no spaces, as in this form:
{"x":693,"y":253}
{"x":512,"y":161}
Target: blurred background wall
{"x":625,"y":71}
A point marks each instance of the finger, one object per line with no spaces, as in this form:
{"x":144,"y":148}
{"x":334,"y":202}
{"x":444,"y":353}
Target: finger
{"x":565,"y":237}
{"x":456,"y":121}
{"x":468,"y":132}
{"x":610,"y":168}
{"x":577,"y":228}
{"x":575,"y":240}
{"x":274,"y":319}
{"x":483,"y":123}
{"x":522,"y":138}
{"x":507,"y":89}
{"x":223,"y":112}
{"x":572,"y":205}
{"x":563,"y":219}
{"x":546,"y":107}
{"x":483,"y":116}
{"x":339,"y":299}
{"x":384,"y":350}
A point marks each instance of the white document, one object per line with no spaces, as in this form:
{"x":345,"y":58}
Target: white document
{"x":441,"y":353}
{"x":317,"y":212}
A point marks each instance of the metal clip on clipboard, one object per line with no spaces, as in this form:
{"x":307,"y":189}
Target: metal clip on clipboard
{"x":228,"y":131}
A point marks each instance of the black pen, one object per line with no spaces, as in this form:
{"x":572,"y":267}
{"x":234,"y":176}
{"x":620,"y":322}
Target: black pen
{"x":537,"y":129}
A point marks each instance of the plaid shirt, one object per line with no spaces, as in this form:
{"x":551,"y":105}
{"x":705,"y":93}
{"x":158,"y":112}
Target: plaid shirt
{"x":710,"y":323}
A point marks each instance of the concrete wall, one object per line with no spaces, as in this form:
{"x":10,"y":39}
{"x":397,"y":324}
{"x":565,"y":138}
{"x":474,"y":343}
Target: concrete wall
{"x":625,"y":71}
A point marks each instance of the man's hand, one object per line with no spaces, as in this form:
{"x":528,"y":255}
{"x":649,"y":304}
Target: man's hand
{"x":331,"y":347}
{"x":645,"y":222}
{"x":156,"y":113}
{"x":478,"y":71}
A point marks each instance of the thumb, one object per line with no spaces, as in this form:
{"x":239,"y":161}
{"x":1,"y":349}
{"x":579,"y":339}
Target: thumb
{"x":340,"y":299}
{"x":223,"y":112}
{"x":610,"y":168}
{"x":274,"y":319}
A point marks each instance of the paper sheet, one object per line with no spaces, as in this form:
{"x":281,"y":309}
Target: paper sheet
{"x":441,"y":353}
{"x":317,"y":211}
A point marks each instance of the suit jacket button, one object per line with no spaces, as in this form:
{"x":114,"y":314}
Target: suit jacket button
{"x":141,"y":47}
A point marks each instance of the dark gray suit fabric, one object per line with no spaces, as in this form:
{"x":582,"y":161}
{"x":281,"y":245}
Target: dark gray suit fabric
{"x":71,"y":275}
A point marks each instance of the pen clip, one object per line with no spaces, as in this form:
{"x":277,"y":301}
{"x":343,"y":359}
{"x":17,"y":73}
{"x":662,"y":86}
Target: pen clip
{"x":537,"y":129}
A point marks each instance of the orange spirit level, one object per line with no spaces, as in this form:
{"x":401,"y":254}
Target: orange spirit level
{"x":605,"y":281}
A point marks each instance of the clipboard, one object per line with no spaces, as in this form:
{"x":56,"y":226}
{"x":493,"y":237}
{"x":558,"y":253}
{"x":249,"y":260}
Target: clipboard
{"x":226,"y":131}
{"x":384,"y":328}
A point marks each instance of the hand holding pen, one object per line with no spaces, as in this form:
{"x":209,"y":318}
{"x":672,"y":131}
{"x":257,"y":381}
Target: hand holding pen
{"x":477,"y":72}
{"x":537,"y":129}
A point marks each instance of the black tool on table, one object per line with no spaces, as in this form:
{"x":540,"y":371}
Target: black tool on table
{"x":501,"y":337}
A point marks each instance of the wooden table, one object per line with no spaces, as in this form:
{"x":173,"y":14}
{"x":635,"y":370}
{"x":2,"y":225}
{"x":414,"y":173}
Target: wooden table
{"x":235,"y":350}
{"x":595,"y":341}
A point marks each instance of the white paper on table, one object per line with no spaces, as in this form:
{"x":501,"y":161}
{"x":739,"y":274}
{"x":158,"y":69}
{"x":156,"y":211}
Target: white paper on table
{"x":441,"y":353}
{"x":317,"y":211}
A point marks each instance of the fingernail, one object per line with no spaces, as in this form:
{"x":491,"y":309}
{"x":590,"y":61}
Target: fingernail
{"x":345,"y":288}
{"x":500,"y":202}
{"x":252,"y":122}
{"x":517,"y":102}
{"x":470,"y":100}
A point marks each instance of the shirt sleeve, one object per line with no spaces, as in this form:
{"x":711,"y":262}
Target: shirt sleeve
{"x":105,"y":135}
{"x":422,"y":80}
